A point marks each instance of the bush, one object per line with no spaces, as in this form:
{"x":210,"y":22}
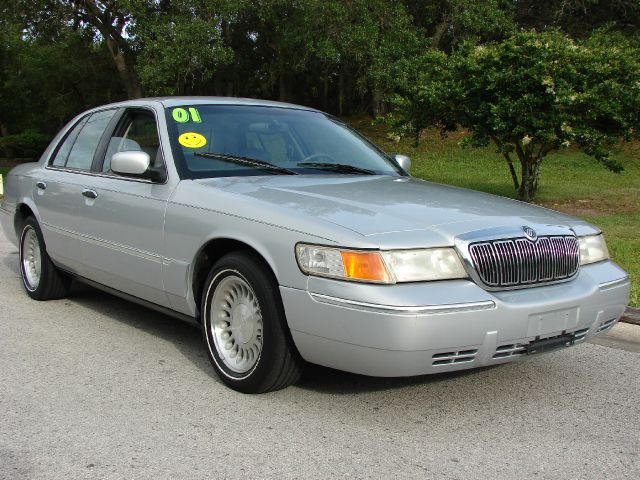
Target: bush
{"x":29,"y":144}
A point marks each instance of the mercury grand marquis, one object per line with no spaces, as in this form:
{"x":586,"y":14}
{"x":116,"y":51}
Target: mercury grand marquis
{"x":289,"y":238}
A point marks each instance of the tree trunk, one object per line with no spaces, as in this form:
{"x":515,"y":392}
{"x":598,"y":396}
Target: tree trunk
{"x":512,"y":171}
{"x":530,"y":173}
{"x":341,"y":94}
{"x":325,"y":89}
{"x":4,"y":132}
{"x":282,"y":87}
{"x":125,"y":69}
{"x":218,"y":87}
{"x":110,"y":25}
{"x":534,"y":176}
{"x":441,"y":28}
{"x":529,"y":179}
{"x":376,"y":101}
{"x":507,"y":157}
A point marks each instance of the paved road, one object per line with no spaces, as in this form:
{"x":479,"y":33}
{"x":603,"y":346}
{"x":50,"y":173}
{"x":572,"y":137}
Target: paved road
{"x":95,"y":387}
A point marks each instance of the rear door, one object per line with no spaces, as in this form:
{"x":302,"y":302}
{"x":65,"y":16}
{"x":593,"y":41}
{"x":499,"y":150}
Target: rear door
{"x":58,"y":195}
{"x":121,"y":221}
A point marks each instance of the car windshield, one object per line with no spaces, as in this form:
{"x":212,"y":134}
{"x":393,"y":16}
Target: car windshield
{"x":221,"y":141}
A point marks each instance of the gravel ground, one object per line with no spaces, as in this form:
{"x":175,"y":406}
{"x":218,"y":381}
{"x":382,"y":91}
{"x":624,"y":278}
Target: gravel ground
{"x":96,"y":387}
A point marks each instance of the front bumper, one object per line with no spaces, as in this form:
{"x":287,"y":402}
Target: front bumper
{"x":416,"y":329}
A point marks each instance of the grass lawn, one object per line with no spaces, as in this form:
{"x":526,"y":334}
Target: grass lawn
{"x":571,"y":182}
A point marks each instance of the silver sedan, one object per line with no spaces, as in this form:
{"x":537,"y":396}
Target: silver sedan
{"x":289,"y":238}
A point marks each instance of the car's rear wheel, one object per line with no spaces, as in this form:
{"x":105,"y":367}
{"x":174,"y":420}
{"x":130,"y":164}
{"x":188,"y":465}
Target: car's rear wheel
{"x":41,"y":279}
{"x":244,"y":326}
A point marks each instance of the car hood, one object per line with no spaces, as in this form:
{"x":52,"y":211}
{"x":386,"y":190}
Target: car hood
{"x":383,"y":205}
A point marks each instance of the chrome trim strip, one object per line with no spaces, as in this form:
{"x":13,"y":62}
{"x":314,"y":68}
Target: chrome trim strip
{"x":403,"y":310}
{"x":613,"y":283}
{"x":101,"y":174}
{"x":510,"y":232}
{"x":113,"y":246}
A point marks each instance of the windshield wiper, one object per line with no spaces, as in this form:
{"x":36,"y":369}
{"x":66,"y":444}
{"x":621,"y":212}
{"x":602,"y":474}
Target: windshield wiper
{"x":337,"y":167}
{"x":248,"y":162}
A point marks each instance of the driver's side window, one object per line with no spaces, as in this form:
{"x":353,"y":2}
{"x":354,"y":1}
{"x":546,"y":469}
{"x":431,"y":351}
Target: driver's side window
{"x":136,"y":132}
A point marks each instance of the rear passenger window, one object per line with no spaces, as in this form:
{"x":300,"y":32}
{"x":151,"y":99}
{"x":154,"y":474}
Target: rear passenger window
{"x":62,"y":154}
{"x":86,"y":144}
{"x":138,"y":132}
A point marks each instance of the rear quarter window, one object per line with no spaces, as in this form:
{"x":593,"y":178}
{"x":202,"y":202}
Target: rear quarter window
{"x":60,"y":158}
{"x":78,"y":149}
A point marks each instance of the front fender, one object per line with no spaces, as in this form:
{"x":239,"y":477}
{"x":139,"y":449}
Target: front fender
{"x":189,"y":229}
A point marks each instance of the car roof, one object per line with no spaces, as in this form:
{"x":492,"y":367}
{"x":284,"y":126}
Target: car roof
{"x":204,"y":100}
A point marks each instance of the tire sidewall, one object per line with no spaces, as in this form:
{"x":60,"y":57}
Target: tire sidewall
{"x":208,"y":334}
{"x":271,"y":311}
{"x":31,"y":223}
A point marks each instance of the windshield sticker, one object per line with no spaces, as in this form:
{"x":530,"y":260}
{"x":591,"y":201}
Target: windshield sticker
{"x":181,"y":115}
{"x":195,"y":115}
{"x":192,"y":140}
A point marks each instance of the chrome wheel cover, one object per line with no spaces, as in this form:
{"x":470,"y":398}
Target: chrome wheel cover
{"x":236,"y":324}
{"x":31,"y":258}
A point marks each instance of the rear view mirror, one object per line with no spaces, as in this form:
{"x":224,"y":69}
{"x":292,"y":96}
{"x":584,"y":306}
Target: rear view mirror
{"x":130,"y":163}
{"x":403,"y":161}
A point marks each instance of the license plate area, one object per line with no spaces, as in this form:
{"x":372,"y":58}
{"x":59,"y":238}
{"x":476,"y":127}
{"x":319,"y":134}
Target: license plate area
{"x":550,"y":343}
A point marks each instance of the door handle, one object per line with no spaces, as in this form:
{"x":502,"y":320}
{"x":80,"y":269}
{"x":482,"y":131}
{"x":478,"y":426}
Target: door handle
{"x":41,"y":185}
{"x":87,"y":192}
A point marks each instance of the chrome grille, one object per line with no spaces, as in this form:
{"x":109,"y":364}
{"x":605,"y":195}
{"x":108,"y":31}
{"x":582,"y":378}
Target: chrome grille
{"x":522,"y":262}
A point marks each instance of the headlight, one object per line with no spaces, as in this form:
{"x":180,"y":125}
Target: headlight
{"x":592,"y":249}
{"x":424,"y":265}
{"x":380,"y":267}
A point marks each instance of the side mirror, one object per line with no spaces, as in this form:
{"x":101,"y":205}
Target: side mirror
{"x":403,"y":161}
{"x":130,"y":163}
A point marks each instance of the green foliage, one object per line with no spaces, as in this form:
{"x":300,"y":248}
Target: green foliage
{"x":427,"y":95}
{"x":28,"y":144}
{"x":472,"y":20}
{"x":579,"y":18}
{"x":531,"y":94}
{"x":179,"y":48}
{"x":45,"y":81}
{"x":59,"y":57}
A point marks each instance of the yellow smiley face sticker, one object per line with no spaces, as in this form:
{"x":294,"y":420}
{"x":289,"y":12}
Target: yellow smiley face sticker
{"x":192,"y":140}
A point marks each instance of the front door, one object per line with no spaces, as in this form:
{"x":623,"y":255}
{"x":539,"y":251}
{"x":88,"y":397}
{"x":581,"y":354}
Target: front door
{"x":122,"y":217}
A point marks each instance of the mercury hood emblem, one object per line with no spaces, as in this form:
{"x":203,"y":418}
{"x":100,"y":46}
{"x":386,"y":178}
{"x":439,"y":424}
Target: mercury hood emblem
{"x":529,"y":232}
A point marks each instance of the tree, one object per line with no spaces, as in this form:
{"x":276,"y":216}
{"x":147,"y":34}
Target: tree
{"x":110,"y":21}
{"x":449,"y":22}
{"x":179,"y":47}
{"x":530,"y":95}
{"x":104,"y":21}
{"x":47,"y":77}
{"x":579,"y":18}
{"x":360,"y":46}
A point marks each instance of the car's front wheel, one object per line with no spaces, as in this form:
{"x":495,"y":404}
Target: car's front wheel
{"x":244,"y":326}
{"x":41,"y":279}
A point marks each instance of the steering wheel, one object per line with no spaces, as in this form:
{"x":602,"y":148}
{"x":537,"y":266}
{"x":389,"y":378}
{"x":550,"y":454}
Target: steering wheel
{"x":319,"y":155}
